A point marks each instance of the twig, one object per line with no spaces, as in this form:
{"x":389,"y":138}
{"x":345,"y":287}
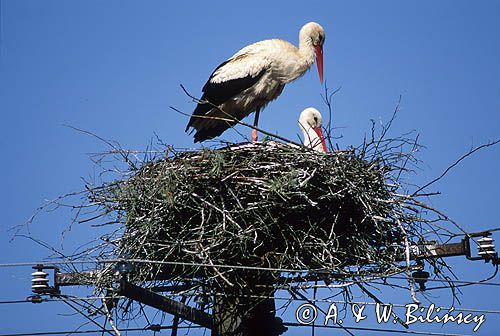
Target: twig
{"x":455,"y":164}
{"x":110,"y":318}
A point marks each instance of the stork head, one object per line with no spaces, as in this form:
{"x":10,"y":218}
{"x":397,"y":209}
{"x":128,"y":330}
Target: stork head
{"x":310,"y":122}
{"x":313,"y":33}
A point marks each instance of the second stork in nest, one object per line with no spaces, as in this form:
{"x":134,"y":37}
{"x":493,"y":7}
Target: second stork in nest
{"x":310,"y":122}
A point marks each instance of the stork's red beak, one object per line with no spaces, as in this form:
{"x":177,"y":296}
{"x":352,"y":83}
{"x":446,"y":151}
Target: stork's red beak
{"x":319,"y":61}
{"x":319,"y":132}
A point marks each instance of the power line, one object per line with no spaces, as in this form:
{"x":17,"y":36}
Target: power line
{"x":289,"y":324}
{"x":276,"y":298}
{"x":485,"y":311}
{"x":172,"y":263}
{"x":367,"y":277}
{"x":153,"y":327}
{"x":294,"y":324}
{"x":469,"y":282}
{"x":59,"y":299}
{"x":51,"y":263}
{"x":179,"y":263}
{"x":400,"y":305}
{"x":16,"y":301}
{"x":91,"y":320}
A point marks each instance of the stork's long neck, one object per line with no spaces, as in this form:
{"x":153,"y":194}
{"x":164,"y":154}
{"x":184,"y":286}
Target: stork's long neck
{"x":306,"y":48}
{"x":311,"y":138}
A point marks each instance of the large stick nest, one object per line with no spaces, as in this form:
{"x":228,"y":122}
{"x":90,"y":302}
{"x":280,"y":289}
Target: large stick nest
{"x":261,"y":205}
{"x":264,"y":205}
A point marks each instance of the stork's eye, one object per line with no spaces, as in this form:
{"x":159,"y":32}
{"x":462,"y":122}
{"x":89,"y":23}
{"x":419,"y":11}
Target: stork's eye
{"x":320,"y":39}
{"x":316,"y":119}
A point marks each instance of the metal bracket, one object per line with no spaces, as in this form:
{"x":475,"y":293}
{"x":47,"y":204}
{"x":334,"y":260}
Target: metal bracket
{"x":165,"y":304}
{"x":40,"y":281}
{"x":486,"y":248}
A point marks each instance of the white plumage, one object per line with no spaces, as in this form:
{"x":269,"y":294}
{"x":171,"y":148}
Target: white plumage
{"x":253,"y":77}
{"x":310,"y":122}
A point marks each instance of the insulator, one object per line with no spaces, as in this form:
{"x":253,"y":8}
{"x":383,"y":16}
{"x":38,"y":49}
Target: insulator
{"x":486,"y":248}
{"x":420,"y":278}
{"x":154,"y":327}
{"x":485,"y":240}
{"x":40,"y":281}
{"x":124,"y":267}
{"x":35,"y":299}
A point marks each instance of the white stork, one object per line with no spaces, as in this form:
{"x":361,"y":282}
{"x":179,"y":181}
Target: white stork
{"x":310,"y":123}
{"x":252,"y":78}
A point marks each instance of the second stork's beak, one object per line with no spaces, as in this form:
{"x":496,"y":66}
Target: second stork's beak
{"x":319,"y":132}
{"x":319,"y":61}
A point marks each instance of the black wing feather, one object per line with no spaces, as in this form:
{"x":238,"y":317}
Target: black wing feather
{"x":216,"y":94}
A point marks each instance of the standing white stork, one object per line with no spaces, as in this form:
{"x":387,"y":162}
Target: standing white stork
{"x":252,"y":78}
{"x":310,"y":121}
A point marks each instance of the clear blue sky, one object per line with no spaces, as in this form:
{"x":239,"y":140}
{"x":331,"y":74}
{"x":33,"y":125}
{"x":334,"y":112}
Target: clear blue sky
{"x":114,"y":68}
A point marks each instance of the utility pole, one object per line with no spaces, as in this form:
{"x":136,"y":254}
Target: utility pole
{"x":249,"y":310}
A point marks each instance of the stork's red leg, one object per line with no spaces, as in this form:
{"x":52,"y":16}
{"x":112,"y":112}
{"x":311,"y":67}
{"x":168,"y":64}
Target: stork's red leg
{"x":255,"y":124}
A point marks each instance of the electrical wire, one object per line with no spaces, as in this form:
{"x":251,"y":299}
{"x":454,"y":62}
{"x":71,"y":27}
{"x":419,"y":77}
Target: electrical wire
{"x":361,"y":303}
{"x":141,"y":261}
{"x":70,"y":332}
{"x":467,"y":282}
{"x":277,"y":298}
{"x":285,"y":270}
{"x":288,"y":324}
{"x":294,"y":324}
{"x":400,"y":305}
{"x":16,"y":301}
{"x":93,"y":321}
{"x":58,"y":299}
